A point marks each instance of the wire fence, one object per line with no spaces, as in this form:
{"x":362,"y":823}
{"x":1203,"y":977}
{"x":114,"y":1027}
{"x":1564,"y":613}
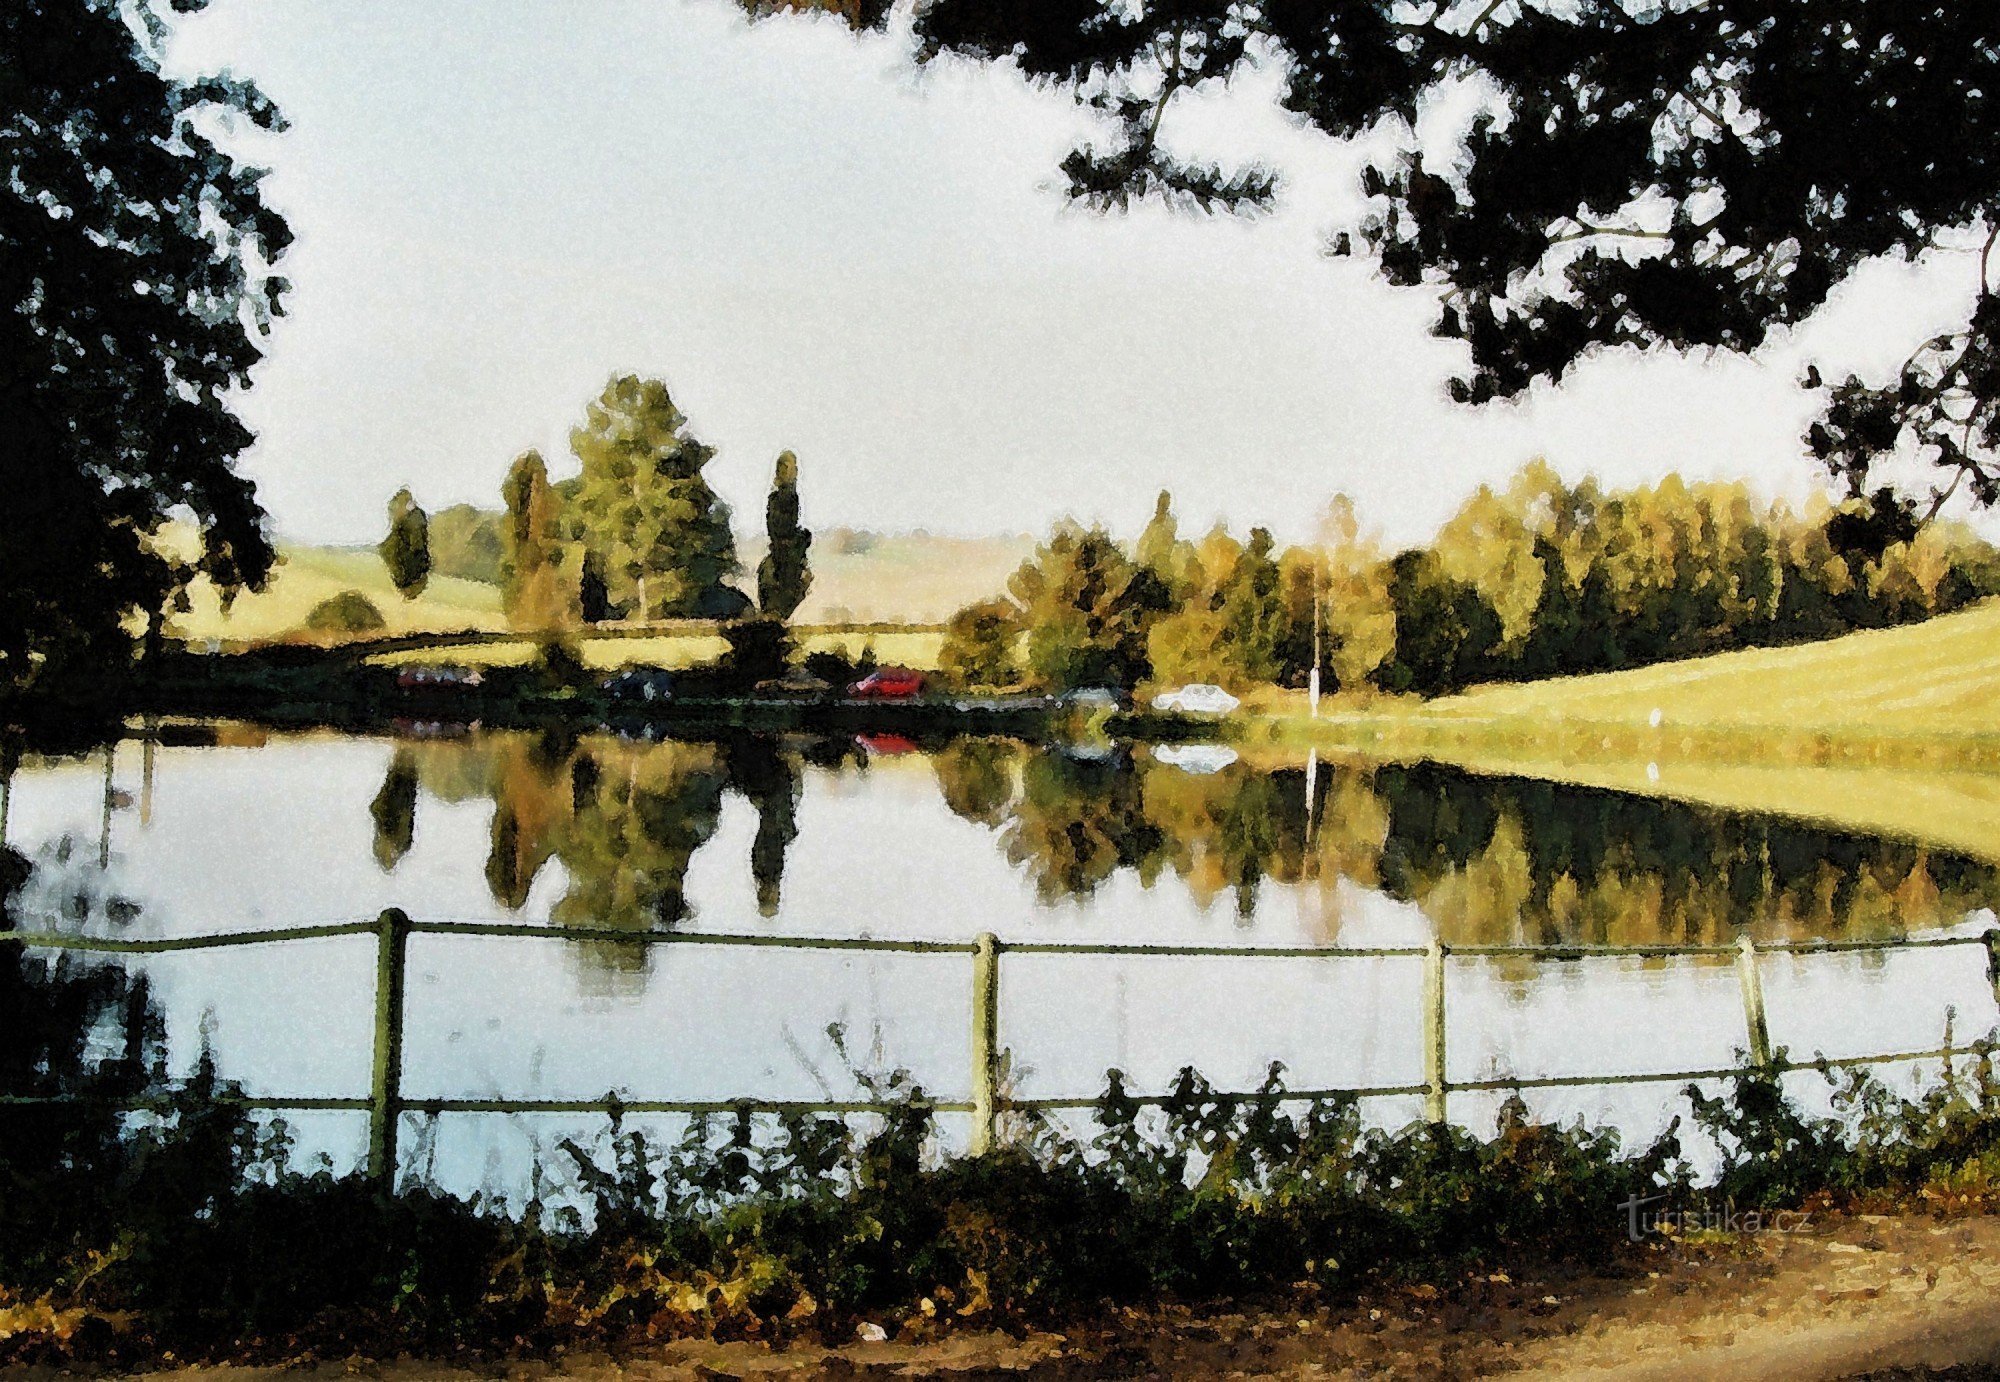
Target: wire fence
{"x":987,"y":1100}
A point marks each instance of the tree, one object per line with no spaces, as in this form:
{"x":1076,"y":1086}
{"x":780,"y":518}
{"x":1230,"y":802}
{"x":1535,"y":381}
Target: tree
{"x":660,"y":537}
{"x":1359,"y":615}
{"x":532,"y":585}
{"x":1163,"y":551}
{"x":980,"y":645}
{"x":406,"y":548}
{"x":467,"y":542}
{"x":1087,"y":607}
{"x":349,"y":612}
{"x":136,"y":278}
{"x":783,"y":577}
{"x":1694,"y":173}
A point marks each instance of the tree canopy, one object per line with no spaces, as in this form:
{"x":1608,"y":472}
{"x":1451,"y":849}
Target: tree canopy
{"x":1689,"y":173}
{"x":135,"y":269}
{"x":1538,"y":579}
{"x":659,"y":536}
{"x":406,"y":548}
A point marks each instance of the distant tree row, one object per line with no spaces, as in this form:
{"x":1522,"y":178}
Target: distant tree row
{"x":1537,"y":579}
{"x":637,"y":534}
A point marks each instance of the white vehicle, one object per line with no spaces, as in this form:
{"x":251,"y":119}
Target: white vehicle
{"x":1199,"y":759}
{"x":1198,"y":699}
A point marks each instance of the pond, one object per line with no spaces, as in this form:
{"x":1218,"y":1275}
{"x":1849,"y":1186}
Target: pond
{"x":232,"y":828}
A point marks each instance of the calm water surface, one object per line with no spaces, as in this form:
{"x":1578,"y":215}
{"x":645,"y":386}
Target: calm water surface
{"x":876,"y":837}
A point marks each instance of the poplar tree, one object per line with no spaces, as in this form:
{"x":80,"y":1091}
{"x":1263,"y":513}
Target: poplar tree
{"x":783,"y":577}
{"x":531,"y":561}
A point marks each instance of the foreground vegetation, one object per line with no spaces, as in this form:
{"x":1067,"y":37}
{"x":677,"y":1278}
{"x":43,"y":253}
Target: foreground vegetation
{"x":190,"y":1231}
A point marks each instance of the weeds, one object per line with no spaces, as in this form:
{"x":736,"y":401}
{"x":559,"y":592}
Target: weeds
{"x":188,"y":1229}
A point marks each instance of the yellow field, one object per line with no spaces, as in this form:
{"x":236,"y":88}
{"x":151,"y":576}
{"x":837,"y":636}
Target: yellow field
{"x":1938,"y":677}
{"x":307,"y":575}
{"x":1893,"y":731}
{"x":908,"y":578}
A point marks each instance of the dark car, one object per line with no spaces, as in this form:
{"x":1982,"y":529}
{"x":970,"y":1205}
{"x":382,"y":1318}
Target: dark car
{"x":888,"y":684}
{"x":649,"y":684}
{"x":437,"y":678}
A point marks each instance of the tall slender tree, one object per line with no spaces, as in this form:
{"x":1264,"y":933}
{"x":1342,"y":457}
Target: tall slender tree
{"x":532,"y":586}
{"x":783,"y":577}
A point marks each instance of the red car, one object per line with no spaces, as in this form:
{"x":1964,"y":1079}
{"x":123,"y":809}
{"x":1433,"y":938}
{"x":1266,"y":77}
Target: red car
{"x":888,"y":684}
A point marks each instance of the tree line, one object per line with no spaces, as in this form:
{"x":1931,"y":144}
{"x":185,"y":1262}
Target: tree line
{"x":1537,"y":578}
{"x":637,"y":534}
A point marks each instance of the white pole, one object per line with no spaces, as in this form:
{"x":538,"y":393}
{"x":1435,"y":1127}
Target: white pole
{"x":1312,"y":678}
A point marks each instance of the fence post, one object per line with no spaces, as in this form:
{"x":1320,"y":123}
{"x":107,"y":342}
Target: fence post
{"x":985,"y":1039}
{"x":385,"y":1101}
{"x":1434,"y":1096}
{"x":110,"y":786}
{"x":1752,"y":984}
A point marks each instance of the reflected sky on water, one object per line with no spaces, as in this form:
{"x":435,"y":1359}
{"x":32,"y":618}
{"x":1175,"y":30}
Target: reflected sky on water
{"x":884,"y":838}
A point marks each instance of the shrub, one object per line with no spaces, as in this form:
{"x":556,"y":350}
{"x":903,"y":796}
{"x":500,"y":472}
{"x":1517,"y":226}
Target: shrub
{"x":349,"y":612}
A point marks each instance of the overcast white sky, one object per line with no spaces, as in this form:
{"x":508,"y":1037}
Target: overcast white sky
{"x":501,"y":203}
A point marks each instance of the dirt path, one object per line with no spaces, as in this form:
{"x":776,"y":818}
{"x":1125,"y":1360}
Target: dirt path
{"x":1846,"y":1298}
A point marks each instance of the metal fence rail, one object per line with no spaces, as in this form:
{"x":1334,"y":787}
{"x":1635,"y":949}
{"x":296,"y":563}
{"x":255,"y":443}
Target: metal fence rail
{"x":986,"y":1100}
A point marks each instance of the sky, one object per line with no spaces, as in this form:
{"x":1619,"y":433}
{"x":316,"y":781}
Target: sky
{"x":501,"y":204}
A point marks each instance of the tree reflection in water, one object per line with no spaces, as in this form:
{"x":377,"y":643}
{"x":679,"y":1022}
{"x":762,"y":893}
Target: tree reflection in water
{"x":1488,"y":860}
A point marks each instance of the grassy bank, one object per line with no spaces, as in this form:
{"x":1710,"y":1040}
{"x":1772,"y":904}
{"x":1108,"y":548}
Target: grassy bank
{"x":1893,"y":731}
{"x":1937,"y":678}
{"x":678,"y":651}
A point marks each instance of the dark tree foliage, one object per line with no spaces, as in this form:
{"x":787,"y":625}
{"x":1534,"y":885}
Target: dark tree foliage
{"x":783,"y":577}
{"x":406,"y":548}
{"x":134,"y":269}
{"x":1693,"y":173}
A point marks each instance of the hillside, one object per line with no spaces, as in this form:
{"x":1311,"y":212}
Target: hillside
{"x":912,"y":578}
{"x":307,"y":575}
{"x":907,"y":578}
{"x":1941,"y":676}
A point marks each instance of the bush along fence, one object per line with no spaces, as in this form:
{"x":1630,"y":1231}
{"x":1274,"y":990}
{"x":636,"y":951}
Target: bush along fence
{"x":986,"y":1101}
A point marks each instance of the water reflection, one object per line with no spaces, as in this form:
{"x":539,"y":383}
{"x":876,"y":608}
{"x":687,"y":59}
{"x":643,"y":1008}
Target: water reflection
{"x":838,"y":836}
{"x":1487,"y":860}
